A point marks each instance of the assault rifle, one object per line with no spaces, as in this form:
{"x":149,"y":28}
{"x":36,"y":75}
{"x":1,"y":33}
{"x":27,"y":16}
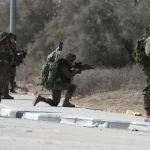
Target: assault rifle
{"x":20,"y":55}
{"x":81,"y":67}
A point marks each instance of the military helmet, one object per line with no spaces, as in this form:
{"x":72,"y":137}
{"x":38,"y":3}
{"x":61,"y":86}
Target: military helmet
{"x":147,"y":31}
{"x":70,"y":57}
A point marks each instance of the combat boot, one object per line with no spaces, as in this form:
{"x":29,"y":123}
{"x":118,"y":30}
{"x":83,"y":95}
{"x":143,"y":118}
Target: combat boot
{"x":39,"y":98}
{"x":12,"y":91}
{"x":147,"y":119}
{"x":52,"y":102}
{"x":8,"y":97}
{"x":67,"y":104}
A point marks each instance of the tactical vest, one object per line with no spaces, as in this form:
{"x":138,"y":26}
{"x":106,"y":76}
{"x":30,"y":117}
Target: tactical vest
{"x":140,"y":55}
{"x":6,"y":53}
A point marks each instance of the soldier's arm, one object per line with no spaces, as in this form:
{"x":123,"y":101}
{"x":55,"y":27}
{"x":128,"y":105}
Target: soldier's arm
{"x":67,"y":73}
{"x":147,"y":47}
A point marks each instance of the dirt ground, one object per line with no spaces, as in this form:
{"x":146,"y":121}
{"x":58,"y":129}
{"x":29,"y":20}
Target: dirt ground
{"x":116,"y":101}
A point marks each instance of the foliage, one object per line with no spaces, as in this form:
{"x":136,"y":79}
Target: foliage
{"x":100,"y":32}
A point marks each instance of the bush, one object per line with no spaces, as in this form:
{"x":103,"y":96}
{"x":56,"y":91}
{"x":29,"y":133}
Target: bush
{"x":104,"y":79}
{"x":94,"y":81}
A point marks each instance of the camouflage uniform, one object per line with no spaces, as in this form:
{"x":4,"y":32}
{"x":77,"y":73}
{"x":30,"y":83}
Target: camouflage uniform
{"x":12,"y":84}
{"x":146,"y":70}
{"x":12,"y":75}
{"x":12,"y":79}
{"x":6,"y":60}
{"x":62,"y":82}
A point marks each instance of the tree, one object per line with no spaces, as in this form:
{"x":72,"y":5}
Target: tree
{"x":4,"y":15}
{"x":32,"y":18}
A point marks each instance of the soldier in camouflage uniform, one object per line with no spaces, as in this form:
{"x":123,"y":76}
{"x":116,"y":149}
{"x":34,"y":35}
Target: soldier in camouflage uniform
{"x":143,"y":57}
{"x":62,"y":82}
{"x":6,"y":60}
{"x":12,"y":74}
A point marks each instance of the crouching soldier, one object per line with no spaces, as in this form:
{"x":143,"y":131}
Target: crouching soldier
{"x":61,"y":81}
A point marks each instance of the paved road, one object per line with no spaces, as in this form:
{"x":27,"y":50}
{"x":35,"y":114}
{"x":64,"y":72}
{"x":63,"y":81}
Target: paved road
{"x":25,"y":102}
{"x":18,"y":134}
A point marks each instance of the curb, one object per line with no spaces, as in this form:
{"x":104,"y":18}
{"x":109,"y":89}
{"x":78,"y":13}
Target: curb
{"x":75,"y":120}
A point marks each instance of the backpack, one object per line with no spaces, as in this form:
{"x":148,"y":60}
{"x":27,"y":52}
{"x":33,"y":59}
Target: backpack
{"x":140,"y":55}
{"x":49,"y":71}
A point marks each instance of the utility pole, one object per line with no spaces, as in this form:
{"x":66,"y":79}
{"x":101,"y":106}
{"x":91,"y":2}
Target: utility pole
{"x":135,"y":2}
{"x":13,"y":17}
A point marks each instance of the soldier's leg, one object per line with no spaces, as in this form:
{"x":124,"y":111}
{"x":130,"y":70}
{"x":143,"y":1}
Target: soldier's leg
{"x":1,"y":85}
{"x":6,"y":93}
{"x":39,"y":98}
{"x":12,"y":84}
{"x":70,"y":91}
{"x":4,"y":75}
{"x":56,"y":94}
{"x":12,"y":80}
{"x":0,"y":97}
{"x":146,"y":93}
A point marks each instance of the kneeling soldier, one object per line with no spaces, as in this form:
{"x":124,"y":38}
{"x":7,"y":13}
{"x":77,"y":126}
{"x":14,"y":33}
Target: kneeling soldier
{"x":62,"y":81}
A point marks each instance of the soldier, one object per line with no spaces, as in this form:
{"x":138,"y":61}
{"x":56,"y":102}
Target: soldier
{"x":6,"y":60}
{"x":143,"y":58}
{"x":12,"y":72}
{"x":62,"y":81}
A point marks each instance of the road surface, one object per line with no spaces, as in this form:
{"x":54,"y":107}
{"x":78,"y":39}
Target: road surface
{"x":18,"y":134}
